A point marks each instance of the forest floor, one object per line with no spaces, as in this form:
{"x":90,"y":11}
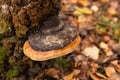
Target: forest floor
{"x":97,"y":57}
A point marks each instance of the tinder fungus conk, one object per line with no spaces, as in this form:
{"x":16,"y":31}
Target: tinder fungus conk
{"x":53,"y":39}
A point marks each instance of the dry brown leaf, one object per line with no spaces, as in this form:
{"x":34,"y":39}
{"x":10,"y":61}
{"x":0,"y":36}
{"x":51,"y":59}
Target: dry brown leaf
{"x":111,"y":43}
{"x":104,"y":1}
{"x":114,"y":20}
{"x":103,"y":59}
{"x":93,"y":76}
{"x":53,"y":72}
{"x":50,"y":72}
{"x":101,"y":75}
{"x":106,"y":38}
{"x":78,"y":60}
{"x":84,"y":2}
{"x":114,"y":4}
{"x":71,"y":75}
{"x":108,"y":52}
{"x":83,"y":18}
{"x":111,"y":73}
{"x":39,"y":76}
{"x":116,"y":65}
{"x":94,"y":66}
{"x":112,"y":11}
{"x":84,"y":70}
{"x":106,"y":49}
{"x":74,"y":1}
{"x":116,"y":47}
{"x":83,"y":10}
{"x":84,"y":24}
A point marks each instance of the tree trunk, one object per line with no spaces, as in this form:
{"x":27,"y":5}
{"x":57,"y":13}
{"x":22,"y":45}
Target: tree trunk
{"x":19,"y":16}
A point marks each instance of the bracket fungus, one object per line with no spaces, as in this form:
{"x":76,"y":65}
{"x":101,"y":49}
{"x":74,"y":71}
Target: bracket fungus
{"x":52,"y":39}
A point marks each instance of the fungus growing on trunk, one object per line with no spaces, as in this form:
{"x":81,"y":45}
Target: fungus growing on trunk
{"x":53,"y":39}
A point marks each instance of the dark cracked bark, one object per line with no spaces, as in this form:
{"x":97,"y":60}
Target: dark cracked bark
{"x":24,"y":15}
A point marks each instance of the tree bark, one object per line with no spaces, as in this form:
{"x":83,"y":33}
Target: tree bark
{"x":20,"y":16}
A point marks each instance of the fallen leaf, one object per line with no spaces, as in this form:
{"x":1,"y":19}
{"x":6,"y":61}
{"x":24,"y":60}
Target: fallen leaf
{"x":111,"y":73}
{"x":116,"y":47}
{"x":93,"y":76}
{"x":114,"y":4}
{"x":112,"y":11}
{"x":94,"y":66}
{"x":84,"y":70}
{"x":84,"y":2}
{"x":83,"y":10}
{"x":74,"y":1}
{"x":106,"y":49}
{"x":103,"y":58}
{"x":71,"y":75}
{"x":111,"y":43}
{"x":91,"y":52}
{"x":116,"y":65}
{"x":104,"y":1}
{"x":101,"y":75}
{"x":106,"y":38}
{"x":53,"y":72}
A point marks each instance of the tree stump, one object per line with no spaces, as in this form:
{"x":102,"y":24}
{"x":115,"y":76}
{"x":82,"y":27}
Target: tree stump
{"x":20,"y":16}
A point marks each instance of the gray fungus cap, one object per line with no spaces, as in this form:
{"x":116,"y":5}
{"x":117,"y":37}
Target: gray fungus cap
{"x":52,"y":38}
